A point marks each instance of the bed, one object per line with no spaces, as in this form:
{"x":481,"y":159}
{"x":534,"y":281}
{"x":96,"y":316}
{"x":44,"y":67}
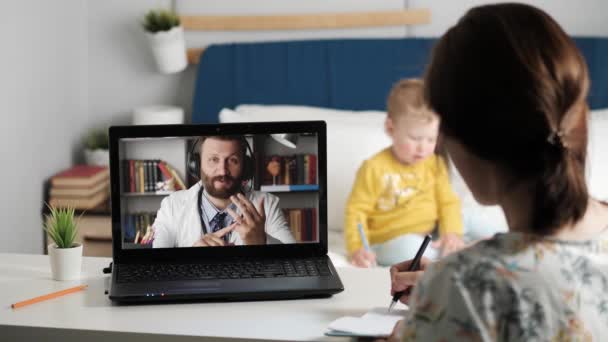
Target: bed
{"x":345,"y":81}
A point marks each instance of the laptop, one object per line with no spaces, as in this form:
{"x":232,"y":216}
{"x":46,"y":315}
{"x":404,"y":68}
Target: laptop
{"x":220,"y":212}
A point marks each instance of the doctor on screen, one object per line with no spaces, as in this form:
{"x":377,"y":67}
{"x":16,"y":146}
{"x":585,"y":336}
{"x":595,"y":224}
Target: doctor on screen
{"x":220,"y":210}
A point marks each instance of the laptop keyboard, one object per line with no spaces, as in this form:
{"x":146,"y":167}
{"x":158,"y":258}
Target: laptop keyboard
{"x":127,"y":273}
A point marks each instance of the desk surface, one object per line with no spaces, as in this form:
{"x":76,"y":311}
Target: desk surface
{"x":90,"y":314}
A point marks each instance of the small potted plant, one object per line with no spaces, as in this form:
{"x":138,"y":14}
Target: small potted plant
{"x":65,"y":254}
{"x":166,"y":37}
{"x":97,"y":146}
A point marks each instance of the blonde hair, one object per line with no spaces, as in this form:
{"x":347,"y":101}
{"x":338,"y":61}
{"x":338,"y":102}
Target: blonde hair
{"x":406,"y":100}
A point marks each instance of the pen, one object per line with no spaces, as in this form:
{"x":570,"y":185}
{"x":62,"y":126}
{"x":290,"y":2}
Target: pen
{"x":363,"y":238}
{"x":48,"y":296}
{"x":413,"y":267}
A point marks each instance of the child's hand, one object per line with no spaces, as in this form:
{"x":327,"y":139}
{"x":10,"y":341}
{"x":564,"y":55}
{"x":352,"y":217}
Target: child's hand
{"x":449,"y":243}
{"x":363,"y":258}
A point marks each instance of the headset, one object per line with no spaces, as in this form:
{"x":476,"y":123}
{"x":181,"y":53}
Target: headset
{"x":193,"y":164}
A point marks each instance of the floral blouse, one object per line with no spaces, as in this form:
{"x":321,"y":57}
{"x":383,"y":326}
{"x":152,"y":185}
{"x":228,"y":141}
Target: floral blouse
{"x":514,"y":287}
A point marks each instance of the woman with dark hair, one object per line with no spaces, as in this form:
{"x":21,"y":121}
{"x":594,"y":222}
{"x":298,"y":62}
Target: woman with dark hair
{"x":510,"y":87}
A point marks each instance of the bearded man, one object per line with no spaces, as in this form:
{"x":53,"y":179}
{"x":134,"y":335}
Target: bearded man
{"x":218,"y":210}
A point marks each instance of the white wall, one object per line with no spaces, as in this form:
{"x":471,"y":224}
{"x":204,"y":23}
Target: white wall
{"x":43,"y":101}
{"x":580,"y":18}
{"x":121,"y":68}
{"x":70,"y":65}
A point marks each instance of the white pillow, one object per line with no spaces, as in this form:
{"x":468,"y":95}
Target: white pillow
{"x":301,"y":113}
{"x":352,"y":137}
{"x":597,"y":159}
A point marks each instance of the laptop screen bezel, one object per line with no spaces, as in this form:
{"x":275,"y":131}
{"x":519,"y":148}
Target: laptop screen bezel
{"x":121,"y":255}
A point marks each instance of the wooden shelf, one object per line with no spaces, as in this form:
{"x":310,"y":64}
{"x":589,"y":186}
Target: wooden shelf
{"x":312,"y":21}
{"x":290,"y":188}
{"x":146,"y":194}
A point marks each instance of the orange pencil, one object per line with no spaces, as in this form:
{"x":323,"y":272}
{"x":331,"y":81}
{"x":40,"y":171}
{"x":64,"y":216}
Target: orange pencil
{"x":49,"y":296}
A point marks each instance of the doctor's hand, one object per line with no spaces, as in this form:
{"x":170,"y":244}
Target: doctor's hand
{"x":215,"y":238}
{"x":250,"y":225}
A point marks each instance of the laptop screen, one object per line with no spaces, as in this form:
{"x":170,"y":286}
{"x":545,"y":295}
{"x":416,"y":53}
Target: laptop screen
{"x":218,"y":190}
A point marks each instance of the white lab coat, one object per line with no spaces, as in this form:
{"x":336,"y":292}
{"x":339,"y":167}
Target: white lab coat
{"x":178,"y":223}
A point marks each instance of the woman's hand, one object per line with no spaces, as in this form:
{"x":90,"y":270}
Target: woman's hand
{"x":449,"y":243}
{"x":403,"y":280}
{"x":363,"y":258}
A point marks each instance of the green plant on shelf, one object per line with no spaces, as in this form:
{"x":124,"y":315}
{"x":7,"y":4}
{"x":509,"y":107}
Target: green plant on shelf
{"x":160,"y":20}
{"x":97,"y":139}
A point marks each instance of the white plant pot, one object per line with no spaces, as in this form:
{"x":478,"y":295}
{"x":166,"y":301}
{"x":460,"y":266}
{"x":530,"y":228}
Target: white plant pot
{"x":169,"y":49}
{"x":97,"y":157}
{"x":66,"y":263}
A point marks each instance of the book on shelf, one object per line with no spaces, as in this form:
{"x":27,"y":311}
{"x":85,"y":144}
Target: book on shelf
{"x":140,"y":171}
{"x":80,"y":202}
{"x":80,"y":191}
{"x":81,"y":176}
{"x":178,"y":180}
{"x":290,"y":169}
{"x":303,"y":223}
{"x":146,"y":180}
{"x":150,"y":176}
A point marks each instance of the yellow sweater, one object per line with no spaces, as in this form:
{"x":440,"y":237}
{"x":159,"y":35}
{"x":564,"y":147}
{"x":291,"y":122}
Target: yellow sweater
{"x":390,"y":199}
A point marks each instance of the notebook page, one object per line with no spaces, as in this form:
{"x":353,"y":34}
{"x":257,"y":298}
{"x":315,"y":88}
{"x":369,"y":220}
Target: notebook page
{"x":376,"y":322}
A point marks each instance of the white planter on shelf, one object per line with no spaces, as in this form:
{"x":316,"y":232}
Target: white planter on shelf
{"x":97,"y":156}
{"x":169,"y":49}
{"x":66,"y":263}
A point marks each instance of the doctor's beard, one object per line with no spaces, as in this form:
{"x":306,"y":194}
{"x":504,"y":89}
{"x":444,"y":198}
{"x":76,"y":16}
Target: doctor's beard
{"x":223,"y":193}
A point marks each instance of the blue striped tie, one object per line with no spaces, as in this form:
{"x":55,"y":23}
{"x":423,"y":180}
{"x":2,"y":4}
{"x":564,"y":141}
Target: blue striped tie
{"x":217,"y":223}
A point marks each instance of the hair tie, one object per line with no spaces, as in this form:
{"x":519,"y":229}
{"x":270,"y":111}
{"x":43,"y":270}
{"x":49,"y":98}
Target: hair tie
{"x":557,"y":137}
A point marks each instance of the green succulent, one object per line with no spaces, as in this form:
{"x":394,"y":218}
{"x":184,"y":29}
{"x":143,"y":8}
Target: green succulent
{"x":61,"y":226}
{"x":97,"y":139}
{"x":160,"y":20}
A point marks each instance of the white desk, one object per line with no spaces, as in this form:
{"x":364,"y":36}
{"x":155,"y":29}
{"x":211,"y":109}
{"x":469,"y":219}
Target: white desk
{"x":89,"y":315}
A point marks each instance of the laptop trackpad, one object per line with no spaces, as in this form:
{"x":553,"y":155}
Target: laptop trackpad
{"x":193,"y":287}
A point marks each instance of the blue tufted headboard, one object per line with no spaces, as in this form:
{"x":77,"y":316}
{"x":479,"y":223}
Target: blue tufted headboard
{"x":353,"y":74}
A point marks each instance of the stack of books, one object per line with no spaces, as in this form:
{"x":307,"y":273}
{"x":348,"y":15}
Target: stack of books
{"x":80,"y":187}
{"x":150,"y":176}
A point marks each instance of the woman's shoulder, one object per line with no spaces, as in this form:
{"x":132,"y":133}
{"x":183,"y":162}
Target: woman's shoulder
{"x":482,"y":254}
{"x":516,"y":258}
{"x":487,"y":260}
{"x":516,"y":281}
